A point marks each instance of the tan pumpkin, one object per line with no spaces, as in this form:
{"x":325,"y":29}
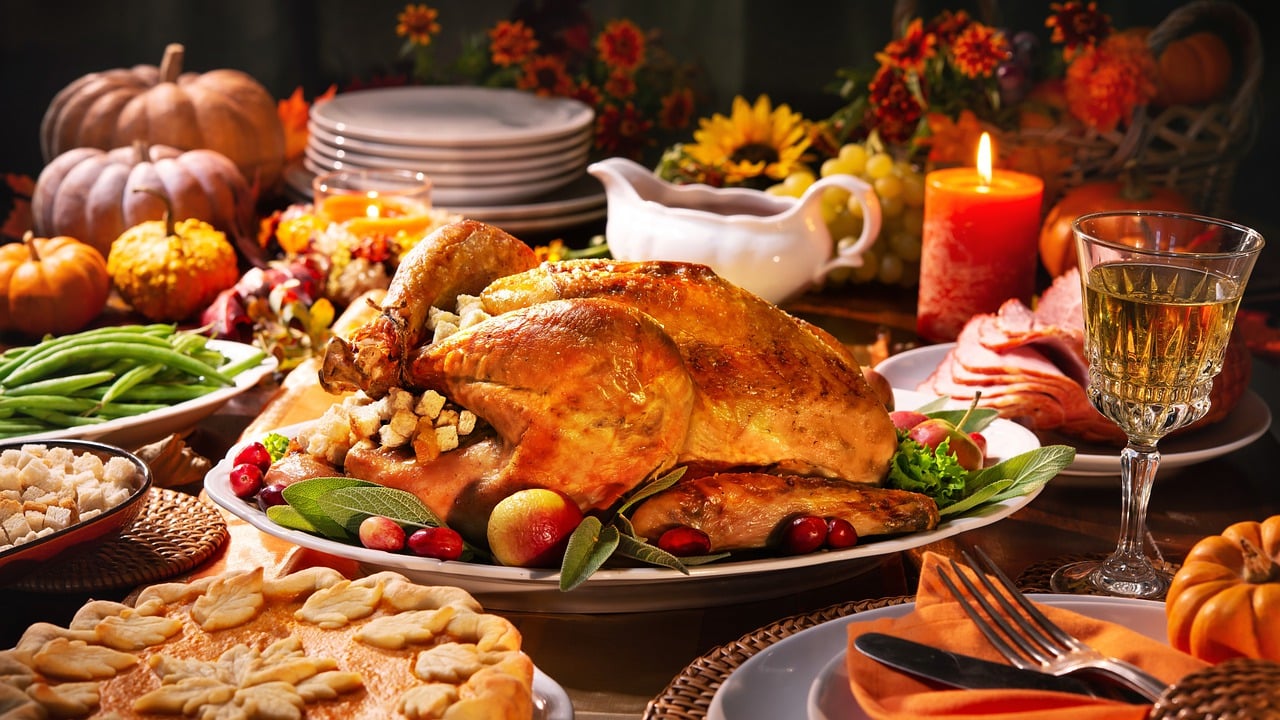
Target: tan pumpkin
{"x":1192,"y":69}
{"x":222,"y":110}
{"x":88,"y":193}
{"x":51,"y":286}
{"x":1224,"y":601}
{"x":170,"y":271}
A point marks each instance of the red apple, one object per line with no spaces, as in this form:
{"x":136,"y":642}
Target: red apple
{"x":531,"y":527}
{"x":907,"y":419}
{"x":933,"y":432}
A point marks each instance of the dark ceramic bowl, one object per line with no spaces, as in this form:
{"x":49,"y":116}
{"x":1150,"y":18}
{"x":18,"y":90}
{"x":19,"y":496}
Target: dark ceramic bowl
{"x":21,"y":559}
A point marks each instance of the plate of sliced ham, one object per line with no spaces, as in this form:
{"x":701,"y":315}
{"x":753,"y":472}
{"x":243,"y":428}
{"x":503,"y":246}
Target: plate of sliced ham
{"x":1020,"y":384}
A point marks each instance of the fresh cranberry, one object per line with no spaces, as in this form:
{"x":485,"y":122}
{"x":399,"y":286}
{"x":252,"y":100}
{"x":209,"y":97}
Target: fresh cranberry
{"x":441,"y":543}
{"x":255,"y":453}
{"x":246,"y":480}
{"x":804,"y":534}
{"x":684,"y":541}
{"x":840,"y":533}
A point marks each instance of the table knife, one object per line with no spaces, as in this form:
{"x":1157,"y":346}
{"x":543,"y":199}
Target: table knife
{"x":957,"y":670}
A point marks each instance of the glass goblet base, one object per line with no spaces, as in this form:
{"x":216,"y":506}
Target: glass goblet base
{"x":1114,"y":576}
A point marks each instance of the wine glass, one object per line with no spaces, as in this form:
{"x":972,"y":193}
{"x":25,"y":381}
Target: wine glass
{"x":1160,"y":296}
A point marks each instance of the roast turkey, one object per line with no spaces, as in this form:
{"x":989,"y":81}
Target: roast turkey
{"x":596,"y":376}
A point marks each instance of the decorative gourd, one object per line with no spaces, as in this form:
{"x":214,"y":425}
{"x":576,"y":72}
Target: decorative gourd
{"x":51,"y":286}
{"x":222,"y":110}
{"x":171,"y":272}
{"x":1128,"y":192}
{"x":1224,"y":601}
{"x":88,"y":193}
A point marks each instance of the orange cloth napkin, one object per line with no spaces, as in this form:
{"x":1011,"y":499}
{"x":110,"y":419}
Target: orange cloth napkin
{"x":938,"y":620}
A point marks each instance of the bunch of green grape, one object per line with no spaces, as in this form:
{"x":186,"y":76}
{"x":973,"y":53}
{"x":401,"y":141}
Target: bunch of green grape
{"x":894,"y":258}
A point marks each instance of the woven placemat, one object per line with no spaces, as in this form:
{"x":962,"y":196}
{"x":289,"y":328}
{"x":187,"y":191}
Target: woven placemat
{"x":689,"y":695}
{"x":174,"y":532}
{"x":1037,"y":576}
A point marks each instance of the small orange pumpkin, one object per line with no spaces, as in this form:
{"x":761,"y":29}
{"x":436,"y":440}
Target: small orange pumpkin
{"x":1224,"y":601}
{"x":1129,"y":192}
{"x":51,"y":286}
{"x":1192,"y":70}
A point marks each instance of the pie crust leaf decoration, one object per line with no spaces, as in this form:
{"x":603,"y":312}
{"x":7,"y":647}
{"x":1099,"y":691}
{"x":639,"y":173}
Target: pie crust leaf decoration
{"x":229,"y":601}
{"x":395,"y":632}
{"x":77,"y":660}
{"x":335,"y":606}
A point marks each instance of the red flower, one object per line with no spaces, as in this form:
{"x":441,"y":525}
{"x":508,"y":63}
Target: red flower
{"x":1107,"y":82}
{"x":418,"y":23}
{"x":896,"y":110}
{"x":511,"y":42}
{"x":948,"y":25}
{"x":1077,"y":26}
{"x":586,"y":93}
{"x":620,"y":84}
{"x":546,"y":75}
{"x":979,"y":50}
{"x":911,"y":52}
{"x":677,"y":109}
{"x":621,"y":45}
{"x":622,"y":131}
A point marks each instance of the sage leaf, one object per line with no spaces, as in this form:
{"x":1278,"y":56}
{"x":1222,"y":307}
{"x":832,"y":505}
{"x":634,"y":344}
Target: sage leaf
{"x":350,"y":505}
{"x":1029,"y":470}
{"x":977,"y":499}
{"x":637,"y":549}
{"x":302,"y":496}
{"x":289,"y":517}
{"x":590,"y":545}
{"x":978,"y":418}
{"x":653,"y":488}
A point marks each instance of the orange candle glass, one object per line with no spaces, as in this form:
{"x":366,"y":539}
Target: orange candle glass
{"x":979,"y":246}
{"x":374,"y":202}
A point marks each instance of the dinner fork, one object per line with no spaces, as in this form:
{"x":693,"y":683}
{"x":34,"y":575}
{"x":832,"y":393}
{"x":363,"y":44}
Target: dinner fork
{"x":1030,"y":640}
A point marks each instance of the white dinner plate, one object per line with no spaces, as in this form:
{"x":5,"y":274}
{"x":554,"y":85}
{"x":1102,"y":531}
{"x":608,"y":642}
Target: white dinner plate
{"x":1099,"y":464}
{"x":551,"y":224}
{"x":453,"y":159}
{"x":132,"y":432}
{"x":778,"y":681}
{"x":451,"y":116}
{"x":643,"y":588}
{"x":466,"y":177}
{"x":447,"y":197}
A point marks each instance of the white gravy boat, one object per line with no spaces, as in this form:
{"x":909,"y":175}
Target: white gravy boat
{"x":773,"y":246}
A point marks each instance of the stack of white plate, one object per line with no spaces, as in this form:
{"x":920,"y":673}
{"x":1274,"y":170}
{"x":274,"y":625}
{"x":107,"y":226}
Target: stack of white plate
{"x":498,"y":155}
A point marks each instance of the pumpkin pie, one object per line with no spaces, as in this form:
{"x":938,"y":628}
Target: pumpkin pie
{"x":311,"y":644}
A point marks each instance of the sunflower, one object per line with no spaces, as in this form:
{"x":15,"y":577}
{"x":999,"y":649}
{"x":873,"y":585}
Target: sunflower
{"x":754,"y":142}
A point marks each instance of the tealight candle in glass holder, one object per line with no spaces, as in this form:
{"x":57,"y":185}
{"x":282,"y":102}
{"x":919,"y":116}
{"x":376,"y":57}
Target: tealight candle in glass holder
{"x":374,"y":202}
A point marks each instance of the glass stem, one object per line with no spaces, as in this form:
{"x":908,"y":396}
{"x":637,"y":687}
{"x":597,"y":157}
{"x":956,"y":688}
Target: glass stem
{"x":1138,"y":464}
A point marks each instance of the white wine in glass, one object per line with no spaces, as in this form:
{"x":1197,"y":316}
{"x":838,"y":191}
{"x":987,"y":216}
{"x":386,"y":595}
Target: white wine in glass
{"x":1160,"y":297}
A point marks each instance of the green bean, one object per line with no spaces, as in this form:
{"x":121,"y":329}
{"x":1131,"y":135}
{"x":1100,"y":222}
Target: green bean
{"x":48,"y":402}
{"x":62,"y":385}
{"x":130,"y":378}
{"x":144,"y":353}
{"x":61,"y":419}
{"x":167,"y":392}
{"x":251,"y":360}
{"x":115,"y":410}
{"x":15,"y":366}
{"x":17,"y":427}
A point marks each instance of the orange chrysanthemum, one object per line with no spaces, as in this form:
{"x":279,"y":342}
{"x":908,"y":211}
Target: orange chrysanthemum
{"x":622,"y":131}
{"x":895,"y":109}
{"x":418,"y":23}
{"x":1104,"y":84}
{"x":621,"y":45}
{"x":952,"y":142}
{"x":911,"y":52}
{"x":620,"y":84}
{"x":510,"y":43}
{"x":586,"y":93}
{"x":677,"y":109}
{"x":948,"y":25}
{"x":546,"y":75}
{"x":1077,"y":26}
{"x":978,"y":50}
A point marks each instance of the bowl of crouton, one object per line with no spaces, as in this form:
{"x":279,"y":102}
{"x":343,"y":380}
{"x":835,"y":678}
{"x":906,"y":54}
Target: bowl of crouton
{"x":57,"y":496}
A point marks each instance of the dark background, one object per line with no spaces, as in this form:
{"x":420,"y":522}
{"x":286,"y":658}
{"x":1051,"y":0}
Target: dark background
{"x":789,"y":50}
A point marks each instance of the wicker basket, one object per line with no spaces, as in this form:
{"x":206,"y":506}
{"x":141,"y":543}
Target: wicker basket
{"x":1194,"y":149}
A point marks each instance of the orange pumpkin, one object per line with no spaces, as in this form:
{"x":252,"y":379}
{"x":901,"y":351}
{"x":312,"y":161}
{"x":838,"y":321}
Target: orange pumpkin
{"x":225,"y":110}
{"x":1191,"y":70}
{"x":88,"y":193}
{"x":1129,"y":192}
{"x":1224,"y":601}
{"x":51,"y":286}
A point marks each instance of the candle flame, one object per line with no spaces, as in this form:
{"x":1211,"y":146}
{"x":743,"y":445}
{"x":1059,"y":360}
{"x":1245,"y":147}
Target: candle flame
{"x":984,"y":158}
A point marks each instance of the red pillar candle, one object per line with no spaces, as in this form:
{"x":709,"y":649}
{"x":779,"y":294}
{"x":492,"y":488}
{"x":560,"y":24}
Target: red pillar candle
{"x":979,"y":246}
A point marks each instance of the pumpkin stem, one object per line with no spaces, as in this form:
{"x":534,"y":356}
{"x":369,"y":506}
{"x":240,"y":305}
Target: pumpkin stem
{"x":169,"y":228}
{"x":1258,"y":568}
{"x":29,"y":239}
{"x":171,"y":64}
